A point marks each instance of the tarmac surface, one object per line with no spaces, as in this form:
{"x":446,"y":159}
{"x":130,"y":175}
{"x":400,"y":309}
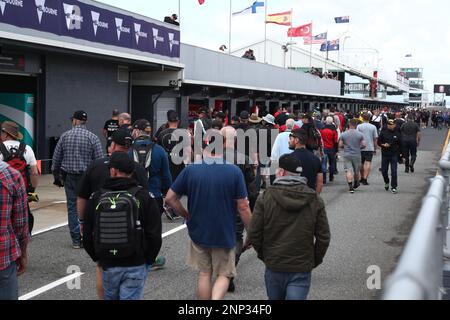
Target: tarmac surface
{"x":368,"y":228}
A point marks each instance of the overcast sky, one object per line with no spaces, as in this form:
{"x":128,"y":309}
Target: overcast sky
{"x":393,"y":27}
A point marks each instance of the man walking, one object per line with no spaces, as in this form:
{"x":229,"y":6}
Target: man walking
{"x":13,"y":231}
{"x":410,"y":141}
{"x":216,"y":191}
{"x":389,"y":141}
{"x":290,"y":232}
{"x":311,"y":165}
{"x":110,"y":127}
{"x":74,"y":153}
{"x":370,"y":133}
{"x":124,"y":251}
{"x":352,"y":141}
{"x":21,"y":157}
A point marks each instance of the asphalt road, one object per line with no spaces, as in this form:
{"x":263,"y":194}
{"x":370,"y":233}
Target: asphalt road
{"x":368,"y":228}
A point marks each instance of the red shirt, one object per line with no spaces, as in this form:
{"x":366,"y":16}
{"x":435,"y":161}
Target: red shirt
{"x":329,"y":138}
{"x":13,"y":215}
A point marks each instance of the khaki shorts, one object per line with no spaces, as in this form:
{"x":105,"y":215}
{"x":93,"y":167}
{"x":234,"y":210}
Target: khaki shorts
{"x":218,"y":262}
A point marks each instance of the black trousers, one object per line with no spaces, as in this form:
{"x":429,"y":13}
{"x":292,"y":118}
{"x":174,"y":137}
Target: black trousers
{"x":410,"y":152}
{"x":386,"y":161}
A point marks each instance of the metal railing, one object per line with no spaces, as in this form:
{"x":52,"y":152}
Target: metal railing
{"x":419,"y":274}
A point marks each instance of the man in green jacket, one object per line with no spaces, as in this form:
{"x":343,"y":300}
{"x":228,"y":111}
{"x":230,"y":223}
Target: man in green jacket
{"x":289,"y":230}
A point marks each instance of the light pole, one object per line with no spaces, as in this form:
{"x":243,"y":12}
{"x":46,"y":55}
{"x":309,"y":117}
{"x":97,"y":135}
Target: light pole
{"x":285,"y":49}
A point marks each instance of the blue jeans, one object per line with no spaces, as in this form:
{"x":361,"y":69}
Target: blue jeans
{"x":71,"y":187}
{"x":9,"y":285}
{"x":287,"y":285}
{"x":125,"y":283}
{"x":329,"y":157}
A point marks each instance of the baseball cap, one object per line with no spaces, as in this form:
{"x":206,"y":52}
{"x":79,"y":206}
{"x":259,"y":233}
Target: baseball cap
{"x":122,"y":162}
{"x":80,"y":115}
{"x":290,"y":163}
{"x":122,"y":138}
{"x":244,"y":115}
{"x":142,"y":124}
{"x":391,"y":121}
{"x":172,"y":116}
{"x":115,"y":113}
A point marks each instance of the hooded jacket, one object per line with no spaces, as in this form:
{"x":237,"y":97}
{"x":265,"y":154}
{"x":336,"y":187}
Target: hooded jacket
{"x":150,"y":220}
{"x":289,"y":228}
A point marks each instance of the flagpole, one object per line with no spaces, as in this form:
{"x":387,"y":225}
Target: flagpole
{"x":310,"y":47}
{"x":265,"y":32}
{"x":229,"y":34}
{"x":291,"y":45}
{"x":179,"y":11}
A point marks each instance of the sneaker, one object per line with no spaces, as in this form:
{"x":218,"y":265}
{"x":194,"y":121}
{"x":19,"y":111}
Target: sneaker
{"x":412,"y":168}
{"x":386,"y":186}
{"x":364,"y":182}
{"x":394,"y":190}
{"x":406,"y":169}
{"x":77,"y":246}
{"x":356,"y":185}
{"x":352,"y":191}
{"x":231,"y":286}
{"x":159,"y":263}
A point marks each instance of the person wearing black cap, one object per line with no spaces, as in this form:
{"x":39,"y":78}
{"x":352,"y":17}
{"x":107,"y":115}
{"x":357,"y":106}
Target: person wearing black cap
{"x":171,"y":114}
{"x":390,"y":142}
{"x":290,"y":232}
{"x":172,"y":19}
{"x":124,"y":274}
{"x":74,"y":153}
{"x":153,"y":158}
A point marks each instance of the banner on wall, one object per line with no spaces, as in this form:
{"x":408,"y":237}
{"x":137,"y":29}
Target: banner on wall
{"x":82,"y":21}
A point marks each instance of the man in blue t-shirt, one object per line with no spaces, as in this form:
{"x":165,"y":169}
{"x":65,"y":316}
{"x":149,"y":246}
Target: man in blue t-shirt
{"x":216,"y":191}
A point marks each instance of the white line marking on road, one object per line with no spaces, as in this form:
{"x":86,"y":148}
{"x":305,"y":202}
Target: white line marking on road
{"x":58,"y":202}
{"x":175,"y":230}
{"x":35,"y":233}
{"x":50,"y":286}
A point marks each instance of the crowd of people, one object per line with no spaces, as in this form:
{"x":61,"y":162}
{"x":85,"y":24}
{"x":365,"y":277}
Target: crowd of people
{"x":115,"y":201}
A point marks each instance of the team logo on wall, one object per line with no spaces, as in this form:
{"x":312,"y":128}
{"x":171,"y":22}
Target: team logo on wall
{"x":41,"y":9}
{"x":156,"y":38}
{"x":121,"y":28}
{"x":97,"y":23}
{"x":173,"y":42}
{"x":73,"y":16}
{"x":16,"y":3}
{"x":138,"y":33}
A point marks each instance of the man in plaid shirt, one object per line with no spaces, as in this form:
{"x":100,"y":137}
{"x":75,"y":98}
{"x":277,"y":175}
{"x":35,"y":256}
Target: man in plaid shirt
{"x":75,"y":151}
{"x":13,"y":231}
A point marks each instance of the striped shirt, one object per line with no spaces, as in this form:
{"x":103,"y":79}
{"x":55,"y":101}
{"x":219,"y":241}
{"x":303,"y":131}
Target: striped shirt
{"x":76,"y":150}
{"x":14,"y":232}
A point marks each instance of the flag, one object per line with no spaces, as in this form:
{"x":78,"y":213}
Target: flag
{"x":330,"y":46}
{"x":254,"y":8}
{"x":319,"y":39}
{"x":282,"y":18}
{"x":345,"y":19}
{"x":201,"y":2}
{"x":302,"y":31}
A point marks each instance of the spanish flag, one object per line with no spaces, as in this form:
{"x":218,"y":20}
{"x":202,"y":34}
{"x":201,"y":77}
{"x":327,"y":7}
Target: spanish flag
{"x":283,"y":18}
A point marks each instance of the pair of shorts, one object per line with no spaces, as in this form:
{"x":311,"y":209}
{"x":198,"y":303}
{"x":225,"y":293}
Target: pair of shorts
{"x":366,"y":156}
{"x":352,"y":164}
{"x":217,"y":261}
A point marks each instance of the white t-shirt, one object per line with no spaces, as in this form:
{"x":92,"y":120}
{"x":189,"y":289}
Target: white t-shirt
{"x":28,"y":154}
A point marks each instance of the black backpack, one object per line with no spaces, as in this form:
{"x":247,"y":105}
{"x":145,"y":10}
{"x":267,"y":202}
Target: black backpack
{"x":118,"y":231}
{"x":314,"y":139}
{"x":142,"y":152}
